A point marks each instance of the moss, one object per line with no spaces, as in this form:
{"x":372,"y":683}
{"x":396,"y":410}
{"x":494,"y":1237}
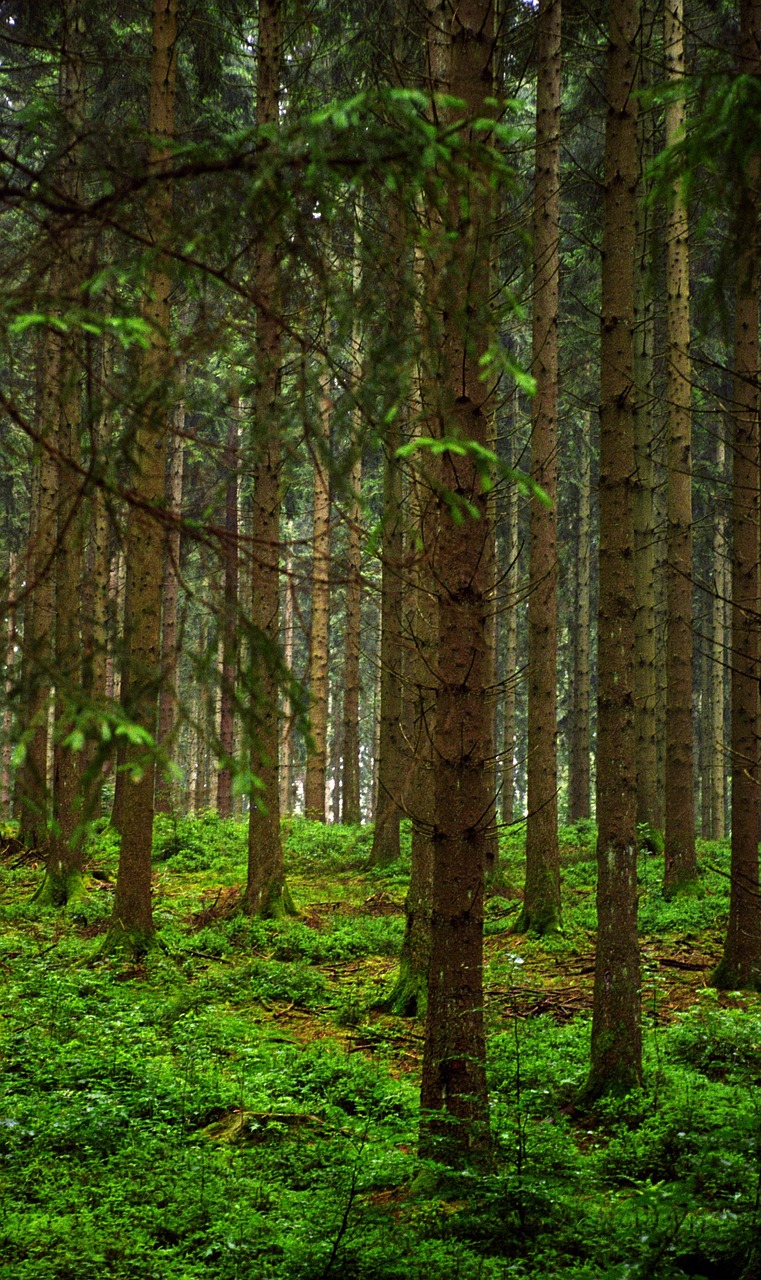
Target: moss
{"x":60,"y":889}
{"x":408,"y":997}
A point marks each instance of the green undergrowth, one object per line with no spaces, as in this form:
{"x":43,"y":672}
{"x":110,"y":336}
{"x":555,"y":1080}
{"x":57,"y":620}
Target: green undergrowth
{"x":237,"y":1108}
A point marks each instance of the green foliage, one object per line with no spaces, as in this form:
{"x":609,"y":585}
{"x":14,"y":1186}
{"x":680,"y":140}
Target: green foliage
{"x":236,"y":1107}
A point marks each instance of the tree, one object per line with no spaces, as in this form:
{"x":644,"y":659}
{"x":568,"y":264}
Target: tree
{"x":541,"y":909}
{"x":616,"y":1063}
{"x":314,"y":787}
{"x":266,"y":892}
{"x":454,"y":1102}
{"x":131,"y":926}
{"x":680,"y":857}
{"x":740,"y":965}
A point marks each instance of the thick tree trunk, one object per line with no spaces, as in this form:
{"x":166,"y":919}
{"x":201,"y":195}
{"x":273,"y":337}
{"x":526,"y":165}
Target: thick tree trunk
{"x":454,"y":1101}
{"x":131,"y":927}
{"x":541,"y":908}
{"x":681,"y":866}
{"x":740,"y":965}
{"x":616,"y":1063}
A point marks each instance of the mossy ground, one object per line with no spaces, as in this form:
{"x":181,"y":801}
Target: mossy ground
{"x":235,"y":1107}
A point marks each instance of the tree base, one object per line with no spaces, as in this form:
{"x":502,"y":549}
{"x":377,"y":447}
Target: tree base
{"x":274,"y":903}
{"x":60,"y":889}
{"x":541,"y":925}
{"x":728,"y":976}
{"x":127,"y":944}
{"x":408,"y":997}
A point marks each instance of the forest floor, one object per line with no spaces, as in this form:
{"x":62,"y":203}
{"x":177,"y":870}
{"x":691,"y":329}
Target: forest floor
{"x":238,"y":1108}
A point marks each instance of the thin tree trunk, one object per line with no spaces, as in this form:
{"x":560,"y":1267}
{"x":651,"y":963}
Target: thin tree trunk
{"x":229,"y":622}
{"x":286,"y":722}
{"x":681,"y":866}
{"x":579,"y":799}
{"x":512,"y":576}
{"x":719,"y":659}
{"x":170,"y":630}
{"x":314,"y":787}
{"x":266,"y":890}
{"x":350,"y":802}
{"x":616,"y":1061}
{"x":649,"y":805}
{"x":39,"y":620}
{"x":8,"y":648}
{"x":541,"y":907}
{"x":385,"y":848}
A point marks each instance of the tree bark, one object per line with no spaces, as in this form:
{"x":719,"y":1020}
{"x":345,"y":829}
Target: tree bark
{"x":454,"y":1100}
{"x":579,"y":799}
{"x":740,"y":965}
{"x":385,"y":849}
{"x":266,"y":890}
{"x":229,"y":622}
{"x":541,"y":908}
{"x":649,"y":796}
{"x":350,"y":776}
{"x":616,"y":1063}
{"x":719,"y":660}
{"x":314,"y":787}
{"x":681,"y":866}
{"x":131,"y":928}
{"x":170,"y":622}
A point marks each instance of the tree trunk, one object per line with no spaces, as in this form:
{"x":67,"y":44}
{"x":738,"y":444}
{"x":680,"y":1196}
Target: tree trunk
{"x":740,"y":965}
{"x":350,"y":776}
{"x":454,"y":1100}
{"x":229,"y":622}
{"x":65,"y":857}
{"x":616,"y":1063}
{"x":512,"y":579}
{"x":719,"y":659}
{"x":385,"y":848}
{"x":131,"y":928}
{"x":681,"y":866}
{"x":314,"y":787}
{"x":170,"y":631}
{"x":541,"y":907}
{"x":286,"y":721}
{"x":266,"y":891}
{"x":649,"y":803}
{"x":579,"y":800}
{"x":39,"y":613}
